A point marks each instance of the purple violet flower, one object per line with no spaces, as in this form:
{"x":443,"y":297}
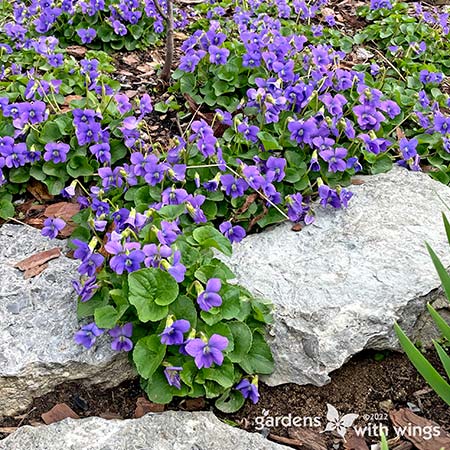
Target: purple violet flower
{"x":56,"y":152}
{"x":210,"y":298}
{"x":87,"y":335}
{"x":209,"y":352}
{"x":52,"y":226}
{"x":122,"y":337}
{"x":173,"y":334}
{"x":248,"y":390}
{"x":172,"y":374}
{"x":234,"y":234}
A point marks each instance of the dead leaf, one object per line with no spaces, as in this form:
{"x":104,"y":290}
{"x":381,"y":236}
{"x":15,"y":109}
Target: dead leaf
{"x":76,"y":50}
{"x":157,"y":57}
{"x":69,"y":98}
{"x":354,"y":442}
{"x":28,"y":210}
{"x":130,"y":59}
{"x":65,"y":211}
{"x":357,"y":181}
{"x":30,"y":273}
{"x":125,"y":73}
{"x":406,"y":419}
{"x":145,"y":68}
{"x":309,"y":439}
{"x":38,"y":259}
{"x":180,"y":36}
{"x":131,"y":94}
{"x":8,"y":430}
{"x":258,"y":217}
{"x":248,"y":201}
{"x":38,"y":190}
{"x":297,"y":227}
{"x":399,"y":133}
{"x":35,"y":423}
{"x":59,"y":412}
{"x":144,"y":406}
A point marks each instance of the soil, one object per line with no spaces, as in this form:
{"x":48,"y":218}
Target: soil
{"x":364,"y":386}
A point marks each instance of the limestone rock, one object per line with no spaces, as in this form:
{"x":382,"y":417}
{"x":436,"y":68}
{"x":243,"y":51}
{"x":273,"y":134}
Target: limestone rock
{"x":37,"y":323}
{"x":172,"y":430}
{"x":339,"y":285}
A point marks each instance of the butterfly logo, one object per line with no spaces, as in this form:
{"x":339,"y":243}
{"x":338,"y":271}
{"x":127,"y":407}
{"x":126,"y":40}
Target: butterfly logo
{"x":339,"y":424}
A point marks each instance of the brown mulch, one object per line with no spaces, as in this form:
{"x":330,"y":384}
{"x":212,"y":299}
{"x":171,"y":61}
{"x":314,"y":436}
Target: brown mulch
{"x":363,"y":386}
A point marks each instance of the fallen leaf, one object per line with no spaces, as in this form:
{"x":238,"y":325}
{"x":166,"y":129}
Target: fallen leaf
{"x":157,"y":57}
{"x":66,"y":105}
{"x":38,"y":190}
{"x":354,"y":442}
{"x":125,"y":73}
{"x":400,"y":134}
{"x":145,"y":68}
{"x":180,"y":36}
{"x":65,"y":211}
{"x":409,"y":421}
{"x":297,"y":227}
{"x":76,"y":50}
{"x":59,"y":412}
{"x":248,"y":201}
{"x":144,"y":406}
{"x":29,"y":209}
{"x":38,"y":259}
{"x":309,"y":439}
{"x":357,"y":181}
{"x":35,"y":423}
{"x":131,"y":94}
{"x":30,"y":273}
{"x":8,"y":430}
{"x":130,"y":60}
{"x":258,"y":217}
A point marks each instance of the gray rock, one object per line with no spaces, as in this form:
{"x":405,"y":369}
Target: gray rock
{"x":173,"y":430}
{"x":425,"y":329}
{"x":339,"y":284}
{"x":37,"y":323}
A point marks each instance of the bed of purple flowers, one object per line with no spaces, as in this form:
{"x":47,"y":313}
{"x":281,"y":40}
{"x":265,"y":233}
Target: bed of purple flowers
{"x":293,"y":119}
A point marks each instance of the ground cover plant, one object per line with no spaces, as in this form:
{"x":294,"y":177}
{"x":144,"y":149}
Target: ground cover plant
{"x":276,"y":118}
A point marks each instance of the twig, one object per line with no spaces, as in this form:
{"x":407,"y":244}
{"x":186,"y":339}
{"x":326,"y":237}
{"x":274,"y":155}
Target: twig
{"x":388,"y":62}
{"x":165,"y":74}
{"x":159,"y":9}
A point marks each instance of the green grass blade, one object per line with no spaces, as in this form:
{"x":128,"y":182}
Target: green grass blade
{"x":443,"y":326}
{"x":447,"y":227}
{"x":443,"y":275}
{"x":384,"y":444}
{"x":432,"y":377}
{"x":445,"y":359}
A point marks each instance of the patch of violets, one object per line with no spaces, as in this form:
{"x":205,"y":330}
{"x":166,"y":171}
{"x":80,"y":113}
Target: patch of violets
{"x":110,"y":20}
{"x":281,"y":143}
